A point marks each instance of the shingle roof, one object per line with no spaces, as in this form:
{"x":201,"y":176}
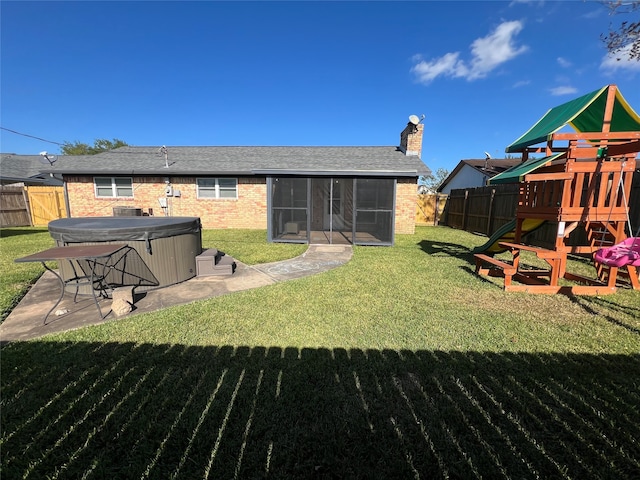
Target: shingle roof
{"x":493,"y":166}
{"x":24,"y":169}
{"x":488,"y":167}
{"x":369,"y":161}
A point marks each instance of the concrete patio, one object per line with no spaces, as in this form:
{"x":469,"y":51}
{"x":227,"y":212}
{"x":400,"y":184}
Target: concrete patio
{"x":25,"y":322}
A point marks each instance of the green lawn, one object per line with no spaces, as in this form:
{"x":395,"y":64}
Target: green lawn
{"x":248,"y":246}
{"x":400,"y":364}
{"x":16,"y":278}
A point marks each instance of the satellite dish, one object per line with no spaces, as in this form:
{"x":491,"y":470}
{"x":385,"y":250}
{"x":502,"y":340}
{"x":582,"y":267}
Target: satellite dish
{"x":487,"y":155}
{"x":422,"y":189}
{"x":47,"y":159}
{"x":414,"y":119}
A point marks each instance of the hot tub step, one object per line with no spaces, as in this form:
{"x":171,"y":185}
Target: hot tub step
{"x":213,"y":262}
{"x":226,"y":265}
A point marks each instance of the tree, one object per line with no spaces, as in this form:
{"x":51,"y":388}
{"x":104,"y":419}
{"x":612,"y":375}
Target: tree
{"x":626,"y":38}
{"x":432,"y":182}
{"x":99,"y":145}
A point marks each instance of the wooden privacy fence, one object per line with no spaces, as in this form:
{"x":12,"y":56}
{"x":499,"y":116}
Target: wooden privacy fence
{"x":482,"y":209}
{"x":485,"y":209}
{"x":46,"y":204}
{"x":430,"y":208}
{"x":34,"y":205}
{"x":14,"y":211}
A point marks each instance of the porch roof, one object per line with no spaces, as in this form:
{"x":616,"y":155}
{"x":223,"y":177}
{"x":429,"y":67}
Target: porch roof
{"x":245,"y":161}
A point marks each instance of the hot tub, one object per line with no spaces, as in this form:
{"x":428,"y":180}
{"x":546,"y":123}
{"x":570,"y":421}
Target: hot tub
{"x":165,"y":247}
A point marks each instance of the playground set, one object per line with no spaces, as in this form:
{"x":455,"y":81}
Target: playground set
{"x":584,"y":180}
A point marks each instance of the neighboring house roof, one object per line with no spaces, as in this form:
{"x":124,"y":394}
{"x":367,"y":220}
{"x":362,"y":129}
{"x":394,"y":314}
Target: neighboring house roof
{"x":24,"y":169}
{"x":584,"y":114}
{"x":487,"y":167}
{"x":308,"y":161}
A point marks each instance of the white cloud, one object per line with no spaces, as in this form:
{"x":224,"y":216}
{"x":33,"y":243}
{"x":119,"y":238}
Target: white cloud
{"x":487,"y":53}
{"x":522,"y":83}
{"x":566,"y":90}
{"x":619,"y":61}
{"x":593,"y":14}
{"x":563,"y":62}
{"x":530,"y":2}
{"x":448,"y":65}
{"x":494,"y":49}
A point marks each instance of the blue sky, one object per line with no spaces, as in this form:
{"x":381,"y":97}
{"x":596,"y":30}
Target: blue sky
{"x":298,"y":73}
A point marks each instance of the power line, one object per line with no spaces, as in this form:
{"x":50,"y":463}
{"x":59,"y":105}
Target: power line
{"x":31,"y":136}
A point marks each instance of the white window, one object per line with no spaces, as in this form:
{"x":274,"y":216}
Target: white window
{"x":113,"y":186}
{"x":225,"y":188}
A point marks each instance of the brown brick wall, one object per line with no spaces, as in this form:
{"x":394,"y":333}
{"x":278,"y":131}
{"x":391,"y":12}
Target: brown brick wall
{"x":406,"y":189}
{"x":248,"y":211}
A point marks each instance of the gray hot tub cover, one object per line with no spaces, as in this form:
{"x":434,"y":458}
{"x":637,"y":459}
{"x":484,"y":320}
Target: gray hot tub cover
{"x":109,"y":229}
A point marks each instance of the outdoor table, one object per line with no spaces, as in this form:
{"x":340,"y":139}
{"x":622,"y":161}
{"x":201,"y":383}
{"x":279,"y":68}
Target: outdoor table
{"x":96,"y":257}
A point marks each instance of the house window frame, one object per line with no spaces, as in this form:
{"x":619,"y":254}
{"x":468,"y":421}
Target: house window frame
{"x":114,"y":187}
{"x":216,"y":188}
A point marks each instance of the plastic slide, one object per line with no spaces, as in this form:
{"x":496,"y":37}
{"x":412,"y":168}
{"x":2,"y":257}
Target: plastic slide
{"x":506,"y":233}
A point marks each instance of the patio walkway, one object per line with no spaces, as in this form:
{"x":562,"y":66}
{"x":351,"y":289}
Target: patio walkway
{"x":25,"y":322}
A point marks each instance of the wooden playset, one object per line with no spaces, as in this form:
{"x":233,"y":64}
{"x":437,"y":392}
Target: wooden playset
{"x":584,"y":182}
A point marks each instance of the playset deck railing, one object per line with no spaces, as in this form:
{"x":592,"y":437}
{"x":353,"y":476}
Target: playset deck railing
{"x":583,"y":191}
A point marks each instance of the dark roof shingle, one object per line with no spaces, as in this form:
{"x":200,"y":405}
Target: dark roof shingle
{"x":24,"y":169}
{"x":244,"y":161}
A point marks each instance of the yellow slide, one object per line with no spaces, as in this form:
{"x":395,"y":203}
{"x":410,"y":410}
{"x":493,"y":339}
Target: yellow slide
{"x":506,"y":233}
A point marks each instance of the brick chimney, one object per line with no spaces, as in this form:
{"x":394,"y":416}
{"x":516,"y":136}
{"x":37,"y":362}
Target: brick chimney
{"x":411,"y":138}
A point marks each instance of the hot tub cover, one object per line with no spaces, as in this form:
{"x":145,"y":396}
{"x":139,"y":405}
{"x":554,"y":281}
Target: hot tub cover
{"x":108,"y":229}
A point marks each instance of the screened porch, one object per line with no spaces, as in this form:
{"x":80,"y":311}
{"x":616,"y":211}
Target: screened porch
{"x":331,"y":210}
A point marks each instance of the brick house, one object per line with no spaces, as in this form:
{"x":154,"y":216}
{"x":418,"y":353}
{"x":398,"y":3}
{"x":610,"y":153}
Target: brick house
{"x":360,"y":195}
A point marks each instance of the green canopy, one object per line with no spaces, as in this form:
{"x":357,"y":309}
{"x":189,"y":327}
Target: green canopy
{"x":584,"y":114}
{"x":516,"y":173}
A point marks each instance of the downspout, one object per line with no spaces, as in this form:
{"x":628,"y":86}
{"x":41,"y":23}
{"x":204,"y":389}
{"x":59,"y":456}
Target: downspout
{"x":66,"y":197}
{"x":331,"y":210}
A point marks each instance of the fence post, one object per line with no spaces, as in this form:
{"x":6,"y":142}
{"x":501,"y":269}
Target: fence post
{"x":490,"y":212}
{"x":464,"y":210}
{"x":27,"y":205}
